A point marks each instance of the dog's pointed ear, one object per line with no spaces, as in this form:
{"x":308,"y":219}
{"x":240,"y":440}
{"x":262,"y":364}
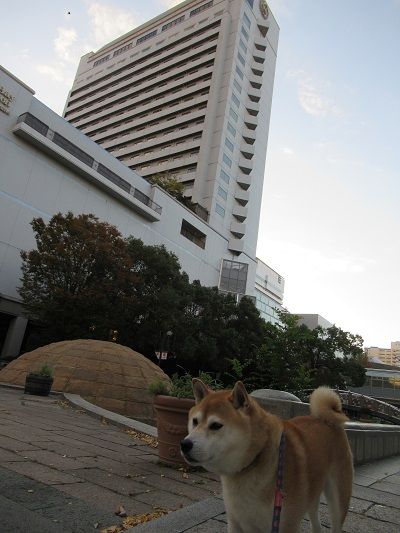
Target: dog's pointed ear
{"x":240,"y":397}
{"x":199,"y":389}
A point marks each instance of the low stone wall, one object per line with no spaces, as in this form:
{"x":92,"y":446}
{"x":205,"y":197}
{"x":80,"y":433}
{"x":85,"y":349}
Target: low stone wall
{"x":369,"y":442}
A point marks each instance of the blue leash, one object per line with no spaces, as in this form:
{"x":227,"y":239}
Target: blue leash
{"x":276,"y":517}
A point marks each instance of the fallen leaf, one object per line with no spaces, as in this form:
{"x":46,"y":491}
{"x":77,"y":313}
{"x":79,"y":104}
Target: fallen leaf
{"x":120,"y":511}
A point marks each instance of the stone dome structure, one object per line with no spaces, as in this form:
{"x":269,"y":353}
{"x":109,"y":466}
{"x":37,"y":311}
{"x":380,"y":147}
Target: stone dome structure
{"x":104,"y":373}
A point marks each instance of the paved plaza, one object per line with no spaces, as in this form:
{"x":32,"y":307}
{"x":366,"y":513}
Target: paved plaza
{"x":63,"y":471}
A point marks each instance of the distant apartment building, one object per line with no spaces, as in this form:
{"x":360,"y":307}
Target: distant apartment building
{"x":188,"y":94}
{"x":388,"y":356}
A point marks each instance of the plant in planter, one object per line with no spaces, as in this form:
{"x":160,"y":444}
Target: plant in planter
{"x":39,"y":382}
{"x":172,"y":405}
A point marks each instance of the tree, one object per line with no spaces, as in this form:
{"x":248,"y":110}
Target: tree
{"x":294,"y":357}
{"x":161,"y":294}
{"x":79,"y":279}
{"x":216,"y":330}
{"x":170,"y":184}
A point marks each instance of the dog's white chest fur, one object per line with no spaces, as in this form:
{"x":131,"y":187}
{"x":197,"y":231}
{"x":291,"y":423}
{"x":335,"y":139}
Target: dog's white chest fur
{"x":246,"y":511}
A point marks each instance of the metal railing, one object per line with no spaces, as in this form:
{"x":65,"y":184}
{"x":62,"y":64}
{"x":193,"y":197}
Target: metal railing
{"x":34,"y":123}
{"x":88,"y":160}
{"x":359,"y":402}
{"x":72,"y":149}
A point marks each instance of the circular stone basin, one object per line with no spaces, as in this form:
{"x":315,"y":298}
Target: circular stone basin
{"x":104,"y":373}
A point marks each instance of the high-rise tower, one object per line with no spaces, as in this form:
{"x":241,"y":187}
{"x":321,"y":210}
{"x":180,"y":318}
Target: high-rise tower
{"x":188,"y":94}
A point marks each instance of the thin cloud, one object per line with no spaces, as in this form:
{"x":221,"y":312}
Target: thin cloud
{"x":66,"y":38}
{"x":168,"y":4}
{"x":107,"y":22}
{"x":313,"y":96}
{"x":287,"y":151}
{"x":24,"y":53}
{"x":318,"y":262}
{"x":54,"y":72}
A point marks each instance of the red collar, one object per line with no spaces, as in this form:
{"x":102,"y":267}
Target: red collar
{"x":276,"y":517}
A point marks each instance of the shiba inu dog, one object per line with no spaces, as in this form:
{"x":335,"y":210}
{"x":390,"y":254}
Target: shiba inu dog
{"x":230,"y":434}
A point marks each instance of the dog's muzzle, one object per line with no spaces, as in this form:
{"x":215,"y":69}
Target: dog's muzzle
{"x":186,"y":446}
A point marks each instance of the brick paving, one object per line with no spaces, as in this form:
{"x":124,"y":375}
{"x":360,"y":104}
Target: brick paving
{"x":62,"y":471}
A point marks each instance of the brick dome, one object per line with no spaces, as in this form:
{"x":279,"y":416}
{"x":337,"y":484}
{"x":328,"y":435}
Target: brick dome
{"x":104,"y":373}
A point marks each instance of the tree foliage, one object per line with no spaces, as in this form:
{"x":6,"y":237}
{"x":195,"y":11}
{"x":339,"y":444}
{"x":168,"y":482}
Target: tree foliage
{"x":169,"y":183}
{"x":79,"y":279}
{"x":295,"y":357}
{"x":85,"y":280}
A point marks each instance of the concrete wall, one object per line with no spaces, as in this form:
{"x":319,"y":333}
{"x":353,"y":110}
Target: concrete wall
{"x":369,"y":442}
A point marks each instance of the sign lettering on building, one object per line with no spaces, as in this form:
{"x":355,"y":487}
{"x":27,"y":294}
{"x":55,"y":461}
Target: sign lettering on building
{"x":6,"y":100}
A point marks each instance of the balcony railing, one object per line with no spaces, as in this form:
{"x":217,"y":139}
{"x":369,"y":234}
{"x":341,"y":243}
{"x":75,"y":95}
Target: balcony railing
{"x":88,"y":160}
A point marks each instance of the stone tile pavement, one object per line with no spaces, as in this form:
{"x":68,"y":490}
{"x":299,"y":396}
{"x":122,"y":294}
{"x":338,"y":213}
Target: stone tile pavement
{"x":62,"y":471}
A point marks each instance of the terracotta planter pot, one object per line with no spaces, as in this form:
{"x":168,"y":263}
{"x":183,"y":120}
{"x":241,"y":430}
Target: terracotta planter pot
{"x":172,"y":421}
{"x":39,"y":385}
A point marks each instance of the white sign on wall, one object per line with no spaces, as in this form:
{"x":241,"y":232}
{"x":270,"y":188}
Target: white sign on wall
{"x":6,"y":100}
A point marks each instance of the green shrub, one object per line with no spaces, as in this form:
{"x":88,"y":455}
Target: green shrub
{"x":182,"y":385}
{"x":44,"y":371}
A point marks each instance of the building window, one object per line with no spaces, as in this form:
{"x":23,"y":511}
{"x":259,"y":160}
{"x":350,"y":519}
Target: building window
{"x":237,"y":86}
{"x":243,"y":46}
{"x":172,"y":23}
{"x":102,"y":60}
{"x":225,"y":176}
{"x":246,"y":20}
{"x":231,"y":129}
{"x":220,"y":210}
{"x":235,"y":100}
{"x":233,"y":114}
{"x":233,"y":276}
{"x":222,"y":193}
{"x":245,"y":34}
{"x":239,"y":73}
{"x":227,"y":161}
{"x":123,"y":49}
{"x":200,"y":9}
{"x":241,"y":59}
{"x":147,"y":36}
{"x":229,"y":144}
{"x":193,"y":234}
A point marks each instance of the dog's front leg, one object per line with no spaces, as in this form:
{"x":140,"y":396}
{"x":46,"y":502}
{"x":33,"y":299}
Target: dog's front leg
{"x":233,"y":526}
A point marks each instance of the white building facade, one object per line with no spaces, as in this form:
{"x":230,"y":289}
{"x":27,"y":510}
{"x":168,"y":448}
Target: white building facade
{"x":48,"y":166}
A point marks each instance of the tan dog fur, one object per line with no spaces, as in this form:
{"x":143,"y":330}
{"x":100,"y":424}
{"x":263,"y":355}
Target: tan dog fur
{"x":244,"y":452}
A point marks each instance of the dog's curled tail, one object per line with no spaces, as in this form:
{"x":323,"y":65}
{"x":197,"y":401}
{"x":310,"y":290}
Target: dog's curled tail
{"x":326,"y":405}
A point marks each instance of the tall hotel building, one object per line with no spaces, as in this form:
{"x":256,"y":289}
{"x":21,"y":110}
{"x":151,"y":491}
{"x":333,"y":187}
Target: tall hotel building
{"x":188,"y":94}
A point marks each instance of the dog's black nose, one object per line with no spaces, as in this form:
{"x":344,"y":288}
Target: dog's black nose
{"x":186,"y":445}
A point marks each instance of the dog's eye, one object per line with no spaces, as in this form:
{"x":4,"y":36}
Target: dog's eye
{"x":195,"y":421}
{"x":214,"y":426}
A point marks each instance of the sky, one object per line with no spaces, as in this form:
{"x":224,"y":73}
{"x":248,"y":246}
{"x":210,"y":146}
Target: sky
{"x":330,"y":221}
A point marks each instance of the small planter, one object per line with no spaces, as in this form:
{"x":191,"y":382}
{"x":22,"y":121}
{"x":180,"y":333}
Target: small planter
{"x":172,"y":426}
{"x":39,"y":385}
